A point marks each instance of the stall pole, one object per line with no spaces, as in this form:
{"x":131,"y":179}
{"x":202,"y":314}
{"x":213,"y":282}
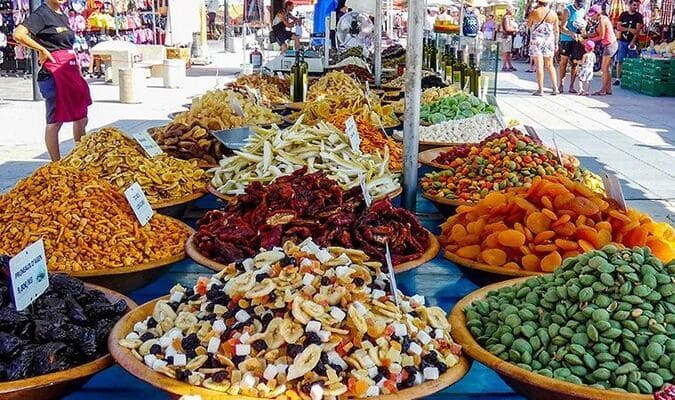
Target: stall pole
{"x":34,"y":61}
{"x":378,"y":42}
{"x":326,"y":42}
{"x":154,"y":22}
{"x":413,"y":87}
{"x":225,"y":29}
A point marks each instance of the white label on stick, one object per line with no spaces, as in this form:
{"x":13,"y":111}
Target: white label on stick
{"x":392,"y":276}
{"x":368,"y":94}
{"x":280,"y":75}
{"x":28,"y":275}
{"x":530,"y":131}
{"x":148,"y":144}
{"x":236,"y":106}
{"x":613,"y":189}
{"x":364,"y":189}
{"x":258,"y":96}
{"x":557,"y":150}
{"x":353,"y":134}
{"x":139,"y":203}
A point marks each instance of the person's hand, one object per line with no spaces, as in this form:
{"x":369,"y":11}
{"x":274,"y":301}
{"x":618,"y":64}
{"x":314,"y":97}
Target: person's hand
{"x":44,"y":56}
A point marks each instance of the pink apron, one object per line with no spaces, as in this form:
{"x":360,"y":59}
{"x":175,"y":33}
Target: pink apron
{"x":72,"y":91}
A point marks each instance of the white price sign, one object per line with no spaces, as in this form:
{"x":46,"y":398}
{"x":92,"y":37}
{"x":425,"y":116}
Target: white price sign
{"x":364,"y":190}
{"x":613,"y":189}
{"x":392,"y":276}
{"x":353,"y":134}
{"x":368,"y":93}
{"x":139,"y":203}
{"x":148,"y":144}
{"x":28,"y":275}
{"x":236,"y":106}
{"x":258,"y":96}
{"x":280,"y":75}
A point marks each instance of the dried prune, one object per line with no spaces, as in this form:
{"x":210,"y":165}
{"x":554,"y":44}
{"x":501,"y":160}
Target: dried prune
{"x":9,"y":344}
{"x":51,"y":357}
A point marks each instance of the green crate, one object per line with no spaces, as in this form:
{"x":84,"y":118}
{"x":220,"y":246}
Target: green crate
{"x":657,"y":88}
{"x":633,"y":65}
{"x":655,"y":70}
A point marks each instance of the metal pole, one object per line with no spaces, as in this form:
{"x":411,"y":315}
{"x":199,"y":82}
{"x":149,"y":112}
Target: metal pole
{"x":34,"y":61}
{"x":154,"y":23}
{"x":413,"y":87}
{"x":378,"y":42}
{"x":225,"y":28}
{"x":326,"y":41}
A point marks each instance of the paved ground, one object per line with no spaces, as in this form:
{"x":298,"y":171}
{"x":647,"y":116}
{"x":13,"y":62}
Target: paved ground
{"x":628,"y":134}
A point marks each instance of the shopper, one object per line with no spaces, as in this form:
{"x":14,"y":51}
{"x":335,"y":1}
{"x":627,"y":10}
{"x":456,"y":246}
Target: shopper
{"x":66,"y":93}
{"x":605,"y":35}
{"x":212,"y":8}
{"x":571,"y":49}
{"x":284,"y":21}
{"x":586,"y":68}
{"x":489,"y":27}
{"x":629,"y":25}
{"x":544,"y":32}
{"x":508,"y":27}
{"x":429,"y":23}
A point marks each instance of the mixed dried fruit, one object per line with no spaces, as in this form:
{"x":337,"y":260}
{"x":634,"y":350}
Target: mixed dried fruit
{"x":271,"y":153}
{"x":504,"y":160}
{"x":274,"y":90}
{"x":327,"y":107}
{"x":373,"y":140}
{"x":187,"y":136}
{"x":85,"y":222}
{"x":301,"y":321}
{"x":111,"y":155}
{"x":67,"y":326}
{"x":300,"y":206}
{"x":335,"y":83}
{"x":536,"y":228}
{"x":606,"y":319}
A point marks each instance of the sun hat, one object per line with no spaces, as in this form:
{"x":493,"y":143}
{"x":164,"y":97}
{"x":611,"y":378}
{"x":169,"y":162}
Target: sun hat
{"x":589,"y":45}
{"x":596,"y":9}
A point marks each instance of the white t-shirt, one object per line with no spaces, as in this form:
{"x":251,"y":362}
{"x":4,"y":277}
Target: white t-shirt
{"x":213,"y":5}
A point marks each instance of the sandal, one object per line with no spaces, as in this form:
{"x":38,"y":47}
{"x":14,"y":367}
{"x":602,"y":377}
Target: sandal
{"x":572,"y":91}
{"x":599,"y":93}
{"x":555,"y":92}
{"x":537,"y":93}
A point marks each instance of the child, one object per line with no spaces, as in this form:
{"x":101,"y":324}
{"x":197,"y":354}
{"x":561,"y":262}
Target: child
{"x":586,"y":71}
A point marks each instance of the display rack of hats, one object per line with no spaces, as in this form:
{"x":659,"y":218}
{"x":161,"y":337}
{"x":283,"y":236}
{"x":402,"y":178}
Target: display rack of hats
{"x":14,"y":59}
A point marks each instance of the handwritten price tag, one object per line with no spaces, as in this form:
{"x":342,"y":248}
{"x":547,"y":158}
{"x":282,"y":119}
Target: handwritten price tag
{"x":364,"y":189}
{"x":353,"y":134}
{"x":613,"y":189}
{"x":236,"y":106}
{"x":28,"y":275}
{"x":280,"y":75}
{"x":139,"y":203}
{"x":148,"y":144}
{"x":368,"y":94}
{"x":392,"y":276}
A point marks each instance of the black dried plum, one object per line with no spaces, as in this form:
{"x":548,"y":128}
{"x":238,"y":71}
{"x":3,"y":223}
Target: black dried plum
{"x":9,"y":345}
{"x":12,"y":320}
{"x":21,"y":366}
{"x":75,"y":311}
{"x":66,"y":285}
{"x":52,"y":357}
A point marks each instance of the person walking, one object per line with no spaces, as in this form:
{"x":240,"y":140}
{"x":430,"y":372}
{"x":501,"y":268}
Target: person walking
{"x":629,"y":25}
{"x":66,"y":93}
{"x":586,"y":68}
{"x":605,"y":35}
{"x":283,"y":21}
{"x":508,"y":27}
{"x":489,"y":27}
{"x":212,"y":8}
{"x":571,"y":49}
{"x":544,"y":34}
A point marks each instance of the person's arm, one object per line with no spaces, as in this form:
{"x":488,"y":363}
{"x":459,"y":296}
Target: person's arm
{"x":22,"y":36}
{"x":563,"y":23}
{"x":556,"y":31}
{"x":638,"y":28}
{"x":599,"y":32}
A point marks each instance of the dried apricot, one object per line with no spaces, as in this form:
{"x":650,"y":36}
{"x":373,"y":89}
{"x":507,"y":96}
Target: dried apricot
{"x":537,"y":222}
{"x":511,"y":265}
{"x":585,"y":245}
{"x":530,"y":262}
{"x":491,"y":241}
{"x":562,"y":201}
{"x":511,"y":238}
{"x":546,"y":202}
{"x":494,"y":199}
{"x":524,"y":204}
{"x":566,"y":244}
{"x":550,"y":214}
{"x":470,"y":252}
{"x":545,"y":248}
{"x":457,"y":232}
{"x":543,"y":236}
{"x":561,"y":220}
{"x":566,"y":229}
{"x":551,"y":261}
{"x":636,"y":237}
{"x":570,"y":254}
{"x":661,"y":249}
{"x":588,"y":234}
{"x":496,"y":257}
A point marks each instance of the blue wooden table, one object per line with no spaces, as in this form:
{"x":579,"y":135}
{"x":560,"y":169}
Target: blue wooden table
{"x":440,"y":281}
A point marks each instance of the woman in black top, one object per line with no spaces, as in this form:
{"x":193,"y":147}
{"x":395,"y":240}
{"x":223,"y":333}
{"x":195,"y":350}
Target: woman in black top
{"x":66,"y":93}
{"x":284,"y":20}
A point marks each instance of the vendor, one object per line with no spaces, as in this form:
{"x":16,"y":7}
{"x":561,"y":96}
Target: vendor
{"x":66,"y":93}
{"x":283,"y":20}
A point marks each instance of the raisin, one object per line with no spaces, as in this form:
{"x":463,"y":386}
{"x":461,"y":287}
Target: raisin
{"x":147,"y":336}
{"x":219,"y":376}
{"x":293,"y":350}
{"x":324,"y":358}
{"x":289,"y":261}
{"x":239,"y":266}
{"x":190,"y":342}
{"x":169,"y":360}
{"x":312,"y":338}
{"x":358,"y":281}
{"x":183,"y":374}
{"x":259,"y":345}
{"x":261,"y":277}
{"x":155,"y":349}
{"x":174,"y":305}
{"x":237,"y":359}
{"x":306,"y":387}
{"x":441,"y":367}
{"x":209,"y":307}
{"x":320,"y":369}
{"x":325,"y":281}
{"x":190,"y":353}
{"x":336,"y":367}
{"x":151,"y":323}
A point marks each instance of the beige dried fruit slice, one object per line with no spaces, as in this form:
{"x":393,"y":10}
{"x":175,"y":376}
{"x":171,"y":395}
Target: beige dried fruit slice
{"x":291,"y":331}
{"x":357,"y":319}
{"x":304,"y":362}
{"x":218,"y":386}
{"x":312,"y":309}
{"x":262,"y":289}
{"x":437,"y":318}
{"x":273,"y":335}
{"x":298,"y":313}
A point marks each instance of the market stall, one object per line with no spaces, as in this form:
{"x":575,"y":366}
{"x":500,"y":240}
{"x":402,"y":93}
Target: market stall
{"x":295,"y":270}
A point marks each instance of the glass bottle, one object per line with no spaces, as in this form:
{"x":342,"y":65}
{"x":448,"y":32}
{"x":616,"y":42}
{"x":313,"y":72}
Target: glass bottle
{"x":449,"y":63}
{"x":433,"y":56}
{"x":474,"y":75}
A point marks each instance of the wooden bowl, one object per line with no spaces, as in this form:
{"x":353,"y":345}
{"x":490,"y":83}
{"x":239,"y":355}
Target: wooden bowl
{"x":128,"y":279}
{"x":212,"y":189}
{"x":445,"y":206}
{"x":58,"y":384}
{"x":432,"y":251}
{"x":423,"y":144}
{"x":159,"y":206}
{"x":483,"y":274}
{"x":178,"y":388}
{"x":298,"y":106}
{"x":529,"y":384}
{"x":427,"y":157}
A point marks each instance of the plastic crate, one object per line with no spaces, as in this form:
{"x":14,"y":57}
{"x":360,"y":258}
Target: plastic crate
{"x":657,"y":71}
{"x":657,"y":88}
{"x":633,"y":65}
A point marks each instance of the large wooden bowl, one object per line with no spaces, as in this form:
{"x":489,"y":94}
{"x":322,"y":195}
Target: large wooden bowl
{"x":445,"y":206}
{"x":529,"y":384}
{"x":423,"y":144}
{"x":161,"y":205}
{"x":128,"y":279}
{"x":178,"y":388}
{"x":58,"y":384}
{"x":483,"y":274}
{"x":428,"y":156}
{"x":429,"y":254}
